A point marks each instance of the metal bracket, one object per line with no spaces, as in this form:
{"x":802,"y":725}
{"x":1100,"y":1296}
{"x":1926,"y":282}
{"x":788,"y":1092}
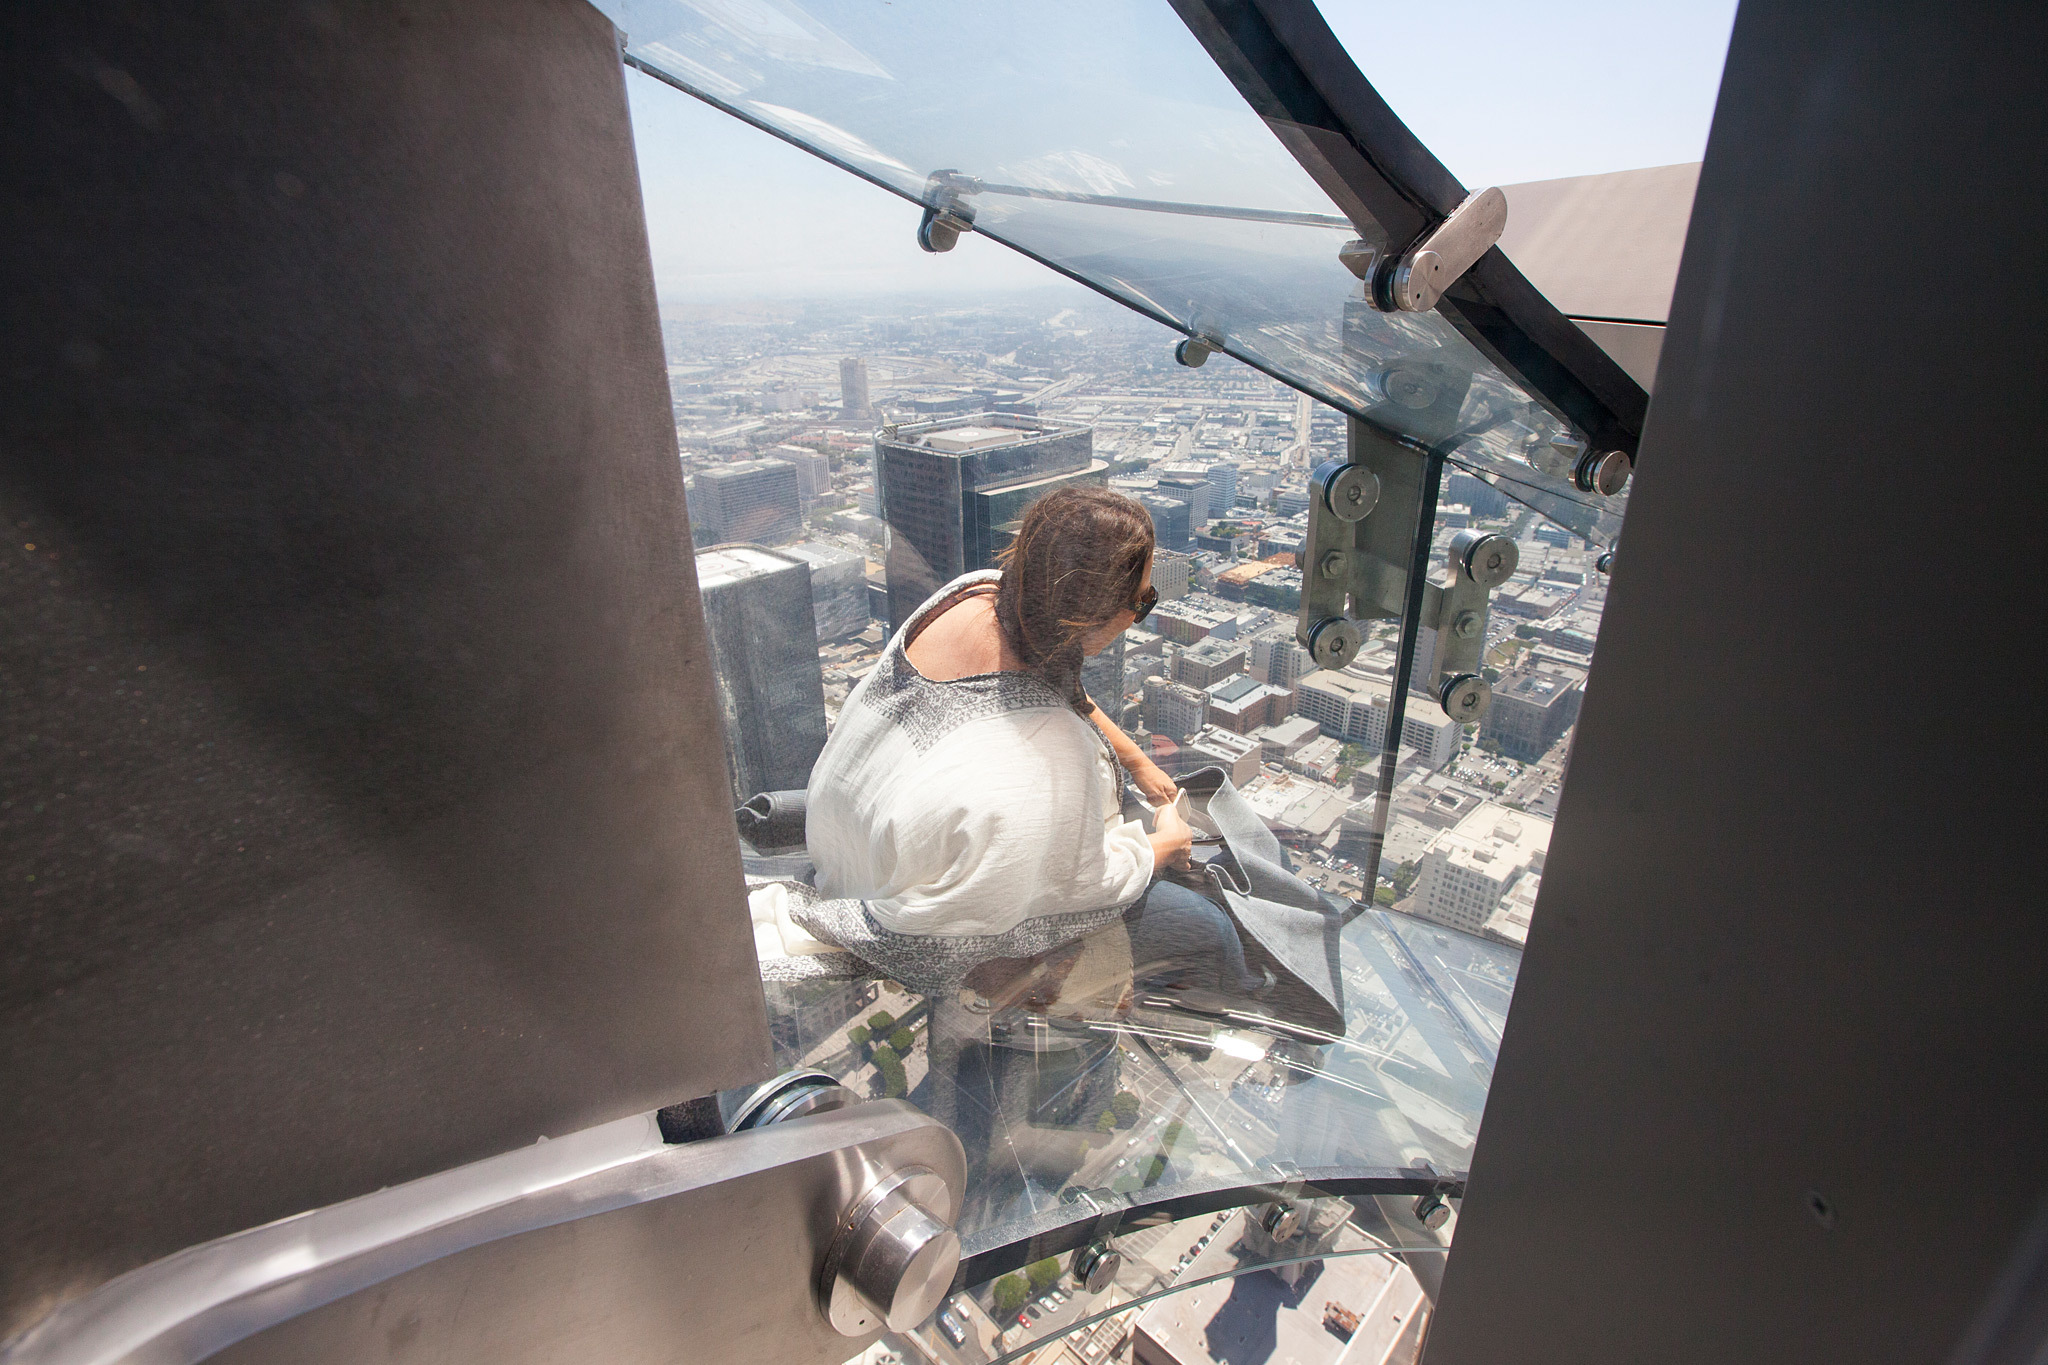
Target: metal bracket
{"x":1413,"y":282}
{"x":947,"y":212}
{"x":1456,"y":612}
{"x":1363,"y":516}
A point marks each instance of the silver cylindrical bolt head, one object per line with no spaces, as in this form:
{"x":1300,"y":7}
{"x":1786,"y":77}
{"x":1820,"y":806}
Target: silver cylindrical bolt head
{"x":1352,"y":493}
{"x":1491,"y":560}
{"x":1336,"y":564}
{"x":1602,"y":471}
{"x":1466,"y":697}
{"x":1334,"y":642}
{"x":1432,"y":1211}
{"x":1466,"y":626}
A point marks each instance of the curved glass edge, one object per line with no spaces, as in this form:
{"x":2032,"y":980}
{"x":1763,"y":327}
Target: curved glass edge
{"x":938,"y":111}
{"x":1293,"y":1272}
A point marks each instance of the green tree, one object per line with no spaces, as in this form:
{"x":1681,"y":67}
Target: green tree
{"x":857,"y":1035}
{"x":1170,"y":1137}
{"x":895,"y":1085}
{"x":1526,"y":632}
{"x":1155,"y":1170}
{"x":901,"y":1040}
{"x":1044,"y":1274}
{"x":881,"y":1021}
{"x":1125,"y":1106}
{"x":1105,"y":1122}
{"x":1010,"y":1293}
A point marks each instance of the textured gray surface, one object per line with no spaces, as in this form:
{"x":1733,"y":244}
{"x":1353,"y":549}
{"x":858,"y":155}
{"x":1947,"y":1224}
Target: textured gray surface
{"x":1789,"y":940}
{"x":362,"y":809}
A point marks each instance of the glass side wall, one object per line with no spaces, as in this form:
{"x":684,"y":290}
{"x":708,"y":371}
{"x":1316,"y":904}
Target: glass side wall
{"x":1102,"y":140}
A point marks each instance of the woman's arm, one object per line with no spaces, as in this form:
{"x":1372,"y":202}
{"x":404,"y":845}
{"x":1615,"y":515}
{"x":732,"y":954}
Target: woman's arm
{"x":1158,"y":788}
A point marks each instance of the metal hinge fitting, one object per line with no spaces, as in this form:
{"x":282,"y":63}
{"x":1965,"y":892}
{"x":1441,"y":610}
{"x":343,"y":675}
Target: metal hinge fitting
{"x":1414,"y":281}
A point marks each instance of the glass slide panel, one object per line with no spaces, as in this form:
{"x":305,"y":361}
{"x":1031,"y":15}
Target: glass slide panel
{"x":1101,"y":140}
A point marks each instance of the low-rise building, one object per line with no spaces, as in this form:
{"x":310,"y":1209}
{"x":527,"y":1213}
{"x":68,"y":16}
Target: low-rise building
{"x":1354,"y":709}
{"x":1244,"y":704}
{"x":1531,"y":708}
{"x":1470,"y":870}
{"x":1283,"y":739}
{"x":1209,"y":661}
{"x":1238,"y":755}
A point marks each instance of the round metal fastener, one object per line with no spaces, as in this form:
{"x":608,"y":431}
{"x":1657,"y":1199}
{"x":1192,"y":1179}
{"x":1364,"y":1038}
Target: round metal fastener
{"x":1192,"y":352}
{"x":1490,"y":560}
{"x":1602,"y":471}
{"x":1466,"y":626}
{"x":1335,"y":564}
{"x":1352,"y":493}
{"x":1096,"y":1265}
{"x":1466,"y":697}
{"x":1333,"y":642}
{"x":1281,"y":1221}
{"x":1605,"y":564}
{"x":1432,"y":1210}
{"x":894,"y":1257}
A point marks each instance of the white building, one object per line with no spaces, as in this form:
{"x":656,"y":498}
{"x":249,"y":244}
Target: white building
{"x":1469,"y":872}
{"x":1238,"y":755}
{"x":1354,"y":709}
{"x":1276,"y":657}
{"x":1172,"y":574}
{"x":1172,"y":709}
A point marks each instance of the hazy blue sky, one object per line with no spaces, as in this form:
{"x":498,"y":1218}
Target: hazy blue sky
{"x":1501,"y":90}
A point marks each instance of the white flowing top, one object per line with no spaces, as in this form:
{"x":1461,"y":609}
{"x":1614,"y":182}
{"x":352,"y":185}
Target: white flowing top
{"x":971,"y":806}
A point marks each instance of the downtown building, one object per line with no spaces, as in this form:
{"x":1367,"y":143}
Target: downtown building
{"x":954,"y":491}
{"x":764,"y":660}
{"x":853,"y":389}
{"x":749,"y":502}
{"x":1353,"y":709}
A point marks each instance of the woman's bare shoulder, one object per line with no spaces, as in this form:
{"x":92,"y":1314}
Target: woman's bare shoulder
{"x":961,"y":642}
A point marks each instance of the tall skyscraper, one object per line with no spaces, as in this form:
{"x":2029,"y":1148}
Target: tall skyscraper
{"x":764,"y":655}
{"x":1169,"y":521}
{"x":953,"y":492}
{"x":853,"y":388}
{"x":752,"y":501}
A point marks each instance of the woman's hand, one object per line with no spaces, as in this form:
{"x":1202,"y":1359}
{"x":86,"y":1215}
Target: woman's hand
{"x":1173,"y":843}
{"x":1158,"y":789}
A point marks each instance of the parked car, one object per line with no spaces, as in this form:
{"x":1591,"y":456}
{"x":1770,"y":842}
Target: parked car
{"x":950,"y":1325}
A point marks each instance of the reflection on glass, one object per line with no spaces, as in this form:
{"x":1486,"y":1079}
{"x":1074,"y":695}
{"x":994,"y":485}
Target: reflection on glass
{"x":1301,"y":1280}
{"x":1105,"y":142}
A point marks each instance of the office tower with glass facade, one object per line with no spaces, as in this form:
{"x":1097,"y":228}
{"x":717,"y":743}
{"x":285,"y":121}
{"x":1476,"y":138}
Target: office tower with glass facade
{"x":1169,"y":521}
{"x":839,"y":589}
{"x":1192,"y":489}
{"x":853,"y":388}
{"x":750,"y":502}
{"x":764,"y":654}
{"x":953,"y":492}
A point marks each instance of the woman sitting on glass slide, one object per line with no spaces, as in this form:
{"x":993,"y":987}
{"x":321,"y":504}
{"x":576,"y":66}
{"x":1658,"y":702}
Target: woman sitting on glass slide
{"x":967,"y":809}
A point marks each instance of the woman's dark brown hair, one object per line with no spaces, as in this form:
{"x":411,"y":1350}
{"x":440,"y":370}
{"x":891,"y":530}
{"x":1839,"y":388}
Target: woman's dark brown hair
{"x":1078,"y":560}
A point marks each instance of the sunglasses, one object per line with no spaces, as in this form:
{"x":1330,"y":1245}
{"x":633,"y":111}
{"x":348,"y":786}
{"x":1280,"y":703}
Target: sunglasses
{"x":1142,"y":608}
